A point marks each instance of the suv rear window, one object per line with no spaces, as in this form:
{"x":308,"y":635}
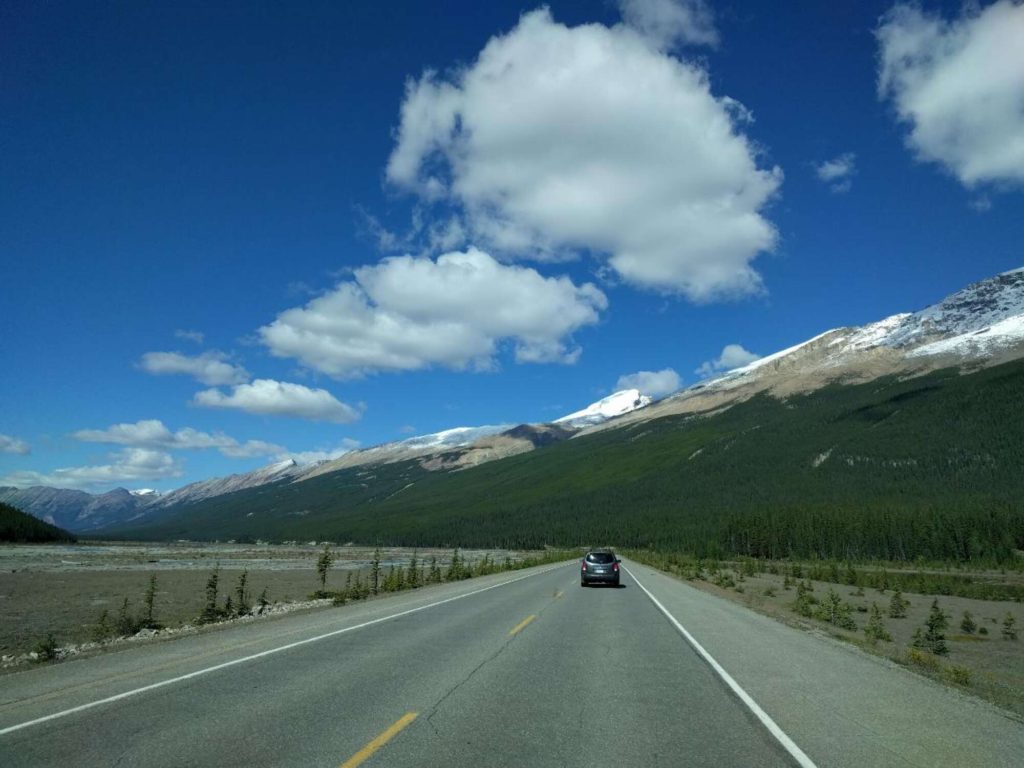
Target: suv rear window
{"x":602,"y":558}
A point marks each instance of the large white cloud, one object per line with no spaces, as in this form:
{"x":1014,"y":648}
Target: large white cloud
{"x":409,"y":313}
{"x":563,"y":139}
{"x":960,"y":86}
{"x":152,"y":433}
{"x":210,"y":368}
{"x":653,"y":383}
{"x":671,"y":22}
{"x":733,"y":356}
{"x":280,"y":398}
{"x":10,"y":444}
{"x":130,"y":465}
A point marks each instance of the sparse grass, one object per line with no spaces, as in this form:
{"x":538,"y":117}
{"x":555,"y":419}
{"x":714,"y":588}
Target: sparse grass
{"x":979,"y":662}
{"x":82,"y":600}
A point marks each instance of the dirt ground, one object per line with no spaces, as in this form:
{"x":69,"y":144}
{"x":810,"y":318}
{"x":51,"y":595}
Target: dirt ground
{"x":995,"y":665}
{"x":63,"y":589}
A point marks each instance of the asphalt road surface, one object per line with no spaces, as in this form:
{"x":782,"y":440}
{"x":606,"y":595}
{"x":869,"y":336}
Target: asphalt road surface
{"x":520,"y":669}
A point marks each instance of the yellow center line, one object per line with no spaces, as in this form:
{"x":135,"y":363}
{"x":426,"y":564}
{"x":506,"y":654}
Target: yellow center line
{"x":366,"y":752}
{"x":521,"y":625}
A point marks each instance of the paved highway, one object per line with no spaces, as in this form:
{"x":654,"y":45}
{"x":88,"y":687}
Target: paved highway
{"x":523,"y":669}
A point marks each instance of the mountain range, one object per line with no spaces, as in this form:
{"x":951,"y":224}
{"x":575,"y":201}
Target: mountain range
{"x":977,"y":327}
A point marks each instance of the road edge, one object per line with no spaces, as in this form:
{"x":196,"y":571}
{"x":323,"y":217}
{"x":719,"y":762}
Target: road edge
{"x":765,"y":719}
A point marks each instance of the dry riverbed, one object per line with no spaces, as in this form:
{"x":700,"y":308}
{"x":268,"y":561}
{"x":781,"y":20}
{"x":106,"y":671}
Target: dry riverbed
{"x":63,"y":589}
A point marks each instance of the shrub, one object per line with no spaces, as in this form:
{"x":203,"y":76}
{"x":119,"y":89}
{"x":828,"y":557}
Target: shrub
{"x":924,"y":660}
{"x":46,"y":650}
{"x":1009,"y":627}
{"x":957,"y":675}
{"x":967,"y":624}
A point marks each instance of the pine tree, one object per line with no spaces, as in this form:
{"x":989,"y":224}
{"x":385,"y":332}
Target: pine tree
{"x":229,"y":607}
{"x":210,"y":611}
{"x":918,"y":640}
{"x":375,"y":571}
{"x":413,"y":579}
{"x":934,"y":637}
{"x":1009,"y":627}
{"x":102,"y":630}
{"x":263,"y":601}
{"x":804,"y":604}
{"x":241,"y":595}
{"x":323,"y":565}
{"x":434,"y":576}
{"x":897,"y":606}
{"x":148,"y":601}
{"x":454,"y":568}
{"x":852,"y":577}
{"x":875,"y":629}
{"x":126,"y":624}
{"x":967,"y":624}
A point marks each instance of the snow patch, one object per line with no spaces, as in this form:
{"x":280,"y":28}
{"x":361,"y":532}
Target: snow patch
{"x":609,"y":407}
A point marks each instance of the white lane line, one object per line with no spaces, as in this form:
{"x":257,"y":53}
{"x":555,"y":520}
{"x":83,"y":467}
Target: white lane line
{"x":787,"y":743}
{"x":261,"y":654}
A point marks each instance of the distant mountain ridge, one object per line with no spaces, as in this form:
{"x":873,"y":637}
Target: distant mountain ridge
{"x":448,"y":449}
{"x":980,"y":325}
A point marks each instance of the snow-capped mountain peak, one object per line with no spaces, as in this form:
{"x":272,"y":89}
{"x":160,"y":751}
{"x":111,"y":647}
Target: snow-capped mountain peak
{"x":615,"y":404}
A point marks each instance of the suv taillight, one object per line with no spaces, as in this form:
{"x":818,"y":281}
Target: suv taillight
{"x":616,"y":566}
{"x":584,"y":565}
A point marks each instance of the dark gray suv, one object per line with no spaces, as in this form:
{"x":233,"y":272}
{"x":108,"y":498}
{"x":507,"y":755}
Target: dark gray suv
{"x":600,"y":566}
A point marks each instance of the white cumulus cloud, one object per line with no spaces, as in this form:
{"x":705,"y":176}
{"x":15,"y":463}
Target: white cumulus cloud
{"x":126,"y":466}
{"x":652,"y":383}
{"x":210,"y":368}
{"x":152,"y":433}
{"x":671,"y":22}
{"x":558,"y":140}
{"x":408,"y":313}
{"x":959,"y":86}
{"x":838,"y":172}
{"x":10,"y":444}
{"x":280,"y":398}
{"x":733,"y":356}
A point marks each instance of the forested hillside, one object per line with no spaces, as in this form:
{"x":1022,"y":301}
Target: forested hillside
{"x":19,"y":527}
{"x":928,"y":467}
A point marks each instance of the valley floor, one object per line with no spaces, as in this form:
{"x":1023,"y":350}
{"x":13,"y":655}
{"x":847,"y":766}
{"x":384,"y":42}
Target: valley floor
{"x":63,"y":589}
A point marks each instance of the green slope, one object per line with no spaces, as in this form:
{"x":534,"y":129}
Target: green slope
{"x":930,"y":467}
{"x":20,"y":527}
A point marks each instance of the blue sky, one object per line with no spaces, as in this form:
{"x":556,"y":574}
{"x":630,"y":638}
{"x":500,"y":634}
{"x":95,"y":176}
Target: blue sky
{"x":174,"y":178}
